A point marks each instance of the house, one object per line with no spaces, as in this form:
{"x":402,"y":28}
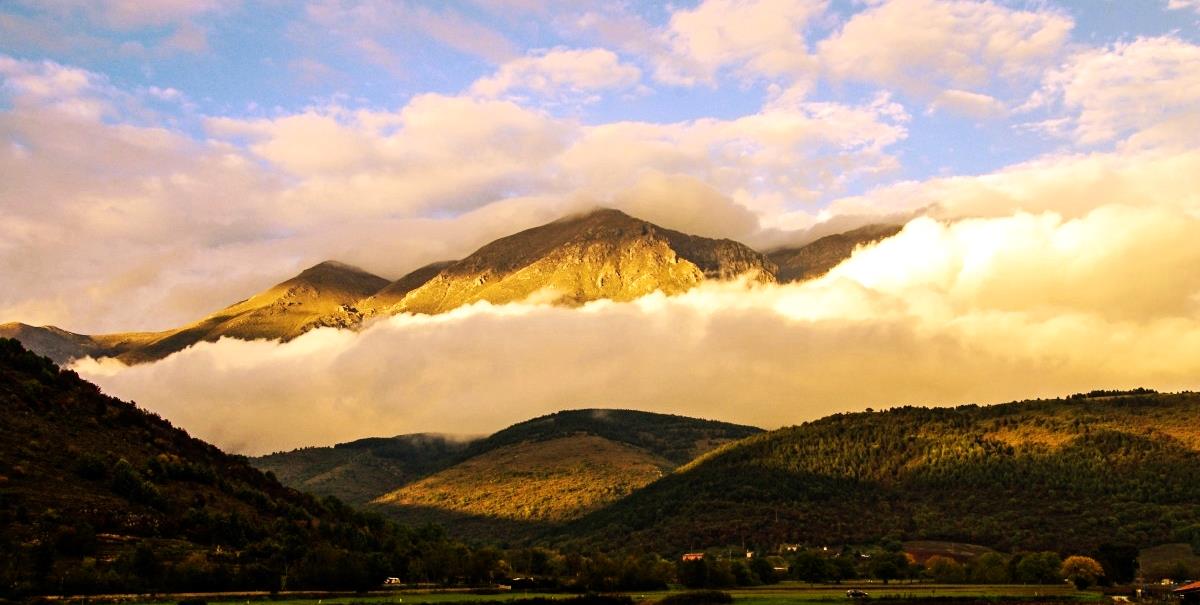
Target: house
{"x":391,"y":581}
{"x":693,"y":556}
{"x":1189,"y":593}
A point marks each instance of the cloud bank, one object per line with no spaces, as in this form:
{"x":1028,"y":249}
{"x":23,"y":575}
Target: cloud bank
{"x":981,"y":310}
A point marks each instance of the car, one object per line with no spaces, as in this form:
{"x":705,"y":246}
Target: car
{"x":855,"y":593}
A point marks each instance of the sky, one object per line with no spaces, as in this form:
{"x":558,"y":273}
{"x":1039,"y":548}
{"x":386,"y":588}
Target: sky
{"x":161,"y":160}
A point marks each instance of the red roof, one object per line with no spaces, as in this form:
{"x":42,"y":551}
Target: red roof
{"x":1194,"y":586}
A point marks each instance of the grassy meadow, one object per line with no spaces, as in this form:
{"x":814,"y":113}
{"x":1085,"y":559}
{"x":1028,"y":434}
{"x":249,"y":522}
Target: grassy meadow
{"x":778,"y":594}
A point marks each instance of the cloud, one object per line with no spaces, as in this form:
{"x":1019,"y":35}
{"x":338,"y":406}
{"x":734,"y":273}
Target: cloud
{"x":560,"y":72}
{"x":976,"y":310}
{"x":456,"y":152}
{"x":1147,"y":89}
{"x":378,"y":28}
{"x":1184,"y":5}
{"x":59,"y":25}
{"x":968,"y":103}
{"x":926,"y":47}
{"x":133,"y":14}
{"x":757,"y":38}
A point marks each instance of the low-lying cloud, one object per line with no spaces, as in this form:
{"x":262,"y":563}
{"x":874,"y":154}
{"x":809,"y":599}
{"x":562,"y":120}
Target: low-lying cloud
{"x":976,"y":310}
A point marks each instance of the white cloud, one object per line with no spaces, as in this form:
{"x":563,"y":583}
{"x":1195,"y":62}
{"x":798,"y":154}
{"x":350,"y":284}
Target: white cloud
{"x":1069,"y":185}
{"x":560,"y":72}
{"x":757,"y":38}
{"x":175,"y":23}
{"x":1147,"y":89}
{"x":978,"y":310}
{"x":924,"y":47}
{"x":968,"y":103}
{"x":1184,"y":5}
{"x":457,"y":152}
{"x":378,"y":29}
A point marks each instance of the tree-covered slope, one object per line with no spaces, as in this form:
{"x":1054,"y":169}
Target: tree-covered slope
{"x":512,"y":484}
{"x":97,"y":495}
{"x":359,"y":471}
{"x":676,"y":438}
{"x":1058,"y":474}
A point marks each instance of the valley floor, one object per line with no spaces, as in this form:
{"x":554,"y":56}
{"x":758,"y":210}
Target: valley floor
{"x":778,"y":594}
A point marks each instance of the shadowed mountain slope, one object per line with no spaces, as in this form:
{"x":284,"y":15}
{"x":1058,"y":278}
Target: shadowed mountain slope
{"x":816,"y":258}
{"x":360,"y":471}
{"x":97,"y":495}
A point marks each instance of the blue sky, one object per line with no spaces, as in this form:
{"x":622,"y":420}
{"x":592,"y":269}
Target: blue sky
{"x":264,"y":59}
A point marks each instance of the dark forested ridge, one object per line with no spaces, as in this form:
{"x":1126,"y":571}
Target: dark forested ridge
{"x":97,"y":495}
{"x":1064,"y":474}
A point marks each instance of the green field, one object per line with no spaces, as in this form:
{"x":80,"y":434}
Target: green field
{"x":786,"y":592}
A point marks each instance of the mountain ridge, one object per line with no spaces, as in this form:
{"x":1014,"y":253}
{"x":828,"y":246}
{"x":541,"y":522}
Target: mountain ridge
{"x":601,"y":254}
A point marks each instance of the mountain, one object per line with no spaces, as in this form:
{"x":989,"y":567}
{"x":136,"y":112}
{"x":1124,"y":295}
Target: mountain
{"x":97,"y":495}
{"x":395,"y":292}
{"x":514,"y":483}
{"x":53,"y":342}
{"x":322,"y":295}
{"x":816,"y":258}
{"x":1066,"y":474}
{"x":605,"y":254}
{"x":360,"y":471}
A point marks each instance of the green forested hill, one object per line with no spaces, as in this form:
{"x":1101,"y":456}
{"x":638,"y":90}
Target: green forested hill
{"x":513,"y":484}
{"x":97,"y":495}
{"x":1058,"y":474}
{"x":679,"y":439}
{"x":359,"y":471}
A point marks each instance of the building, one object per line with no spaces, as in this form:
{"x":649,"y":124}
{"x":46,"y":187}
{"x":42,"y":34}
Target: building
{"x":1189,"y":593}
{"x":693,"y":556}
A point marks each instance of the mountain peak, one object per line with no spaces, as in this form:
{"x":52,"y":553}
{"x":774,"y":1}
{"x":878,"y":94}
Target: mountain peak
{"x":598,"y":214}
{"x":601,"y":254}
{"x":335,"y":269}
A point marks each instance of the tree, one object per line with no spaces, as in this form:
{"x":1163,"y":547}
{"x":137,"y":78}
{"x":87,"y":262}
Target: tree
{"x":945,"y":570}
{"x":888,"y":566}
{"x":810,"y":567}
{"x":1081,"y":571}
{"x":990,"y":568}
{"x":1039,"y":568}
{"x":764,"y":570}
